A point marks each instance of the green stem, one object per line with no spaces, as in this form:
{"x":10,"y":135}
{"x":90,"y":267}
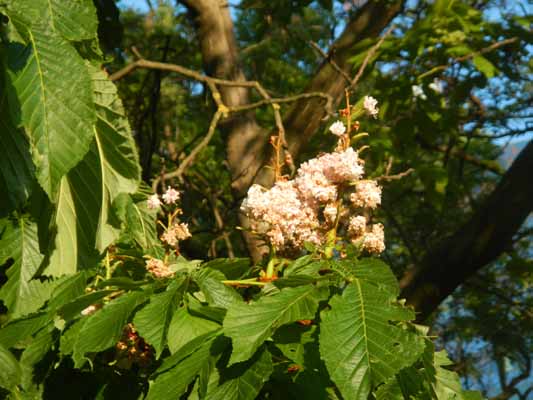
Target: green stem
{"x":270,"y":271}
{"x":107,"y":266}
{"x":249,"y":282}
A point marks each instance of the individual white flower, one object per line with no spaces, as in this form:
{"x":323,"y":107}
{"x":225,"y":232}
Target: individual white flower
{"x":337,"y":128}
{"x":418,"y":92}
{"x":153,"y":202}
{"x":171,"y":195}
{"x":437,"y":86}
{"x":370,"y":103}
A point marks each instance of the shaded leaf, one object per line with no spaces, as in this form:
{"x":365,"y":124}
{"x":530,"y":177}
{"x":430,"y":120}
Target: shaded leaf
{"x":249,"y":325}
{"x":243,"y":381}
{"x":10,"y":373}
{"x":185,"y":327}
{"x":153,"y":320}
{"x":104,"y":328}
{"x":21,"y":293}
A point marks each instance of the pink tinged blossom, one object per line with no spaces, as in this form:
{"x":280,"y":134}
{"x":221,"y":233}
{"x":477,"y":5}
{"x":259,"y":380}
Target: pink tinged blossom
{"x":182,"y":231}
{"x":357,"y":226}
{"x":337,"y":128}
{"x":153,"y":202}
{"x":169,"y":237}
{"x":171,"y":195}
{"x":280,"y":214}
{"x":330,"y":213}
{"x":369,"y":104}
{"x":367,"y":194}
{"x":374,"y":241}
{"x":158,"y":268}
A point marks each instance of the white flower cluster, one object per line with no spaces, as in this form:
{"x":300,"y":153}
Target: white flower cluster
{"x":305,"y":209}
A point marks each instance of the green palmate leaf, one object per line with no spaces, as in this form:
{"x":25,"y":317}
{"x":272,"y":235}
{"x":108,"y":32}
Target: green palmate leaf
{"x":69,"y":289}
{"x":249,"y":325}
{"x":22,"y":294}
{"x":73,"y":19}
{"x":292,"y":340}
{"x":445,"y":384}
{"x":139,"y":222}
{"x":185,"y":327}
{"x":369,"y":270}
{"x":34,"y":352}
{"x":10,"y":373}
{"x":390,"y":390}
{"x":216,"y":293}
{"x":243,"y":381}
{"x":172,"y":383}
{"x":232,"y":268}
{"x":85,"y":226}
{"x":104,"y":328}
{"x":16,"y":168}
{"x":19,"y":330}
{"x":56,"y":103}
{"x":73,"y":308}
{"x":153,"y":320}
{"x":359,"y":345}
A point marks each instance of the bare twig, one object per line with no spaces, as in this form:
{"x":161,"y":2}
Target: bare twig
{"x":192,"y":155}
{"x":330,"y":60}
{"x":222,"y":109}
{"x":369,"y":55}
{"x":395,"y":176}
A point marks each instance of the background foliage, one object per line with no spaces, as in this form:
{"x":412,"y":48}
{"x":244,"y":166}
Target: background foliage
{"x":75,"y":146}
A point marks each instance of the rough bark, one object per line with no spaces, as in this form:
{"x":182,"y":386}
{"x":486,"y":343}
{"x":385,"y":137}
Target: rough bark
{"x":477,"y":243}
{"x":220,"y":54}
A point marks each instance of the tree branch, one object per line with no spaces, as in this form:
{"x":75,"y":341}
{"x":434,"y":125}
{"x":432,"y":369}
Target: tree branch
{"x":478,"y":242}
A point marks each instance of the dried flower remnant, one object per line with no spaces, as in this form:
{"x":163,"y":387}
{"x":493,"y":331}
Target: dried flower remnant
{"x":171,"y":196}
{"x":369,"y":104}
{"x":337,"y":128}
{"x":132,"y":349}
{"x":367,"y":194}
{"x":90,"y":309}
{"x":153,"y":202}
{"x":158,"y":268}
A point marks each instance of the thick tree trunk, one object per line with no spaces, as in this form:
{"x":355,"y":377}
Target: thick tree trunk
{"x":477,"y":243}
